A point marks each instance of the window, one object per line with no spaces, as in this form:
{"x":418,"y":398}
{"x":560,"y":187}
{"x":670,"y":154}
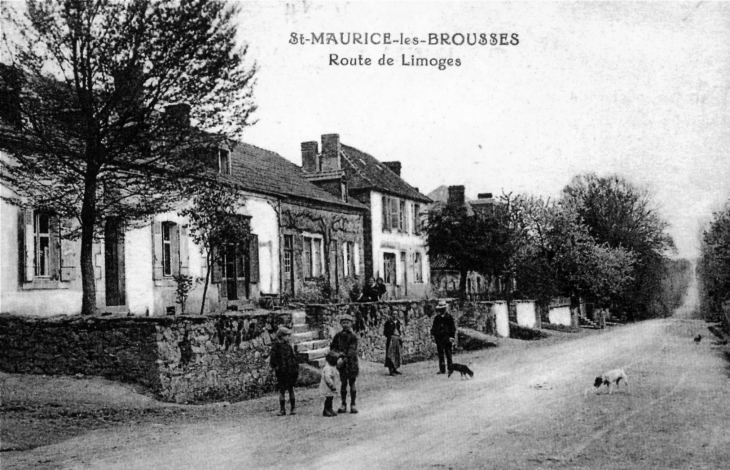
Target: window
{"x":416,"y":219}
{"x":224,"y":162}
{"x":312,"y":257}
{"x":288,"y":253}
{"x":417,"y":267}
{"x":389,"y":268}
{"x":167,"y":249}
{"x":44,"y":258}
{"x":42,"y":244}
{"x":348,"y":254}
{"x":170,"y":250}
{"x":394,"y":215}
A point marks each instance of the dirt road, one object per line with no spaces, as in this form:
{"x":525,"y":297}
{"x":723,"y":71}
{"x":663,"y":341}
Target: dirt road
{"x":524,"y":409}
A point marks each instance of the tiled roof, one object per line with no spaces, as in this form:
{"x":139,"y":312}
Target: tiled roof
{"x":258,"y":170}
{"x":365,"y":172}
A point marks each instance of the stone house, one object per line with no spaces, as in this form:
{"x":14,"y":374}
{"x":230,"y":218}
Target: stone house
{"x":444,"y":276}
{"x":295,"y":249}
{"x":394,"y":243}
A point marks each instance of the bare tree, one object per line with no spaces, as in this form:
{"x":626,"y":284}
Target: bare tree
{"x":97,"y":102}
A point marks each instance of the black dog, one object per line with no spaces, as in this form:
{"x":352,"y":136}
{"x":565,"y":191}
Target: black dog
{"x":462,"y":369}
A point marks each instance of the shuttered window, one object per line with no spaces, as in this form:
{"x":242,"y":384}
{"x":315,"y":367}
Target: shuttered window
{"x":170,"y":246}
{"x":312,"y":257}
{"x":43,"y":254}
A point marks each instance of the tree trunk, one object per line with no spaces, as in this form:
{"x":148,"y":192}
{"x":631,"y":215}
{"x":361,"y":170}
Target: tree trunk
{"x":88,"y":221}
{"x":205,"y":285}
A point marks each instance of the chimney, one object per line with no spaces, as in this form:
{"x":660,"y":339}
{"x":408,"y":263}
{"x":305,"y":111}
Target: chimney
{"x":310,"y":160}
{"x":484,"y":196}
{"x":330,"y":159}
{"x":394,"y":167}
{"x":179,"y":114}
{"x":456,"y":196}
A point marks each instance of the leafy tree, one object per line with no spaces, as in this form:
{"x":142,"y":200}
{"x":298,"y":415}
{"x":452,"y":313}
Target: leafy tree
{"x":470,"y":242}
{"x":214,"y":221}
{"x":622,"y":215}
{"x":558,"y":256}
{"x":183,"y":287}
{"x":97,"y":100}
{"x":714,"y":264}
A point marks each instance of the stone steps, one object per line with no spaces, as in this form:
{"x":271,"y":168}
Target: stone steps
{"x":584,"y":321}
{"x":297,"y":338}
{"x":313,"y":354}
{"x":309,"y":348}
{"x":309,"y":345}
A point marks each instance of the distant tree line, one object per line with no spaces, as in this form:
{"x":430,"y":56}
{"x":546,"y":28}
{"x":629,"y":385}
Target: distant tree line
{"x":601,"y":240}
{"x":713,"y":266}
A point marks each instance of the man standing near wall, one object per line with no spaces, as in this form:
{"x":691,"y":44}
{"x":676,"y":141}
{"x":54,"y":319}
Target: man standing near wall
{"x":443,"y":332}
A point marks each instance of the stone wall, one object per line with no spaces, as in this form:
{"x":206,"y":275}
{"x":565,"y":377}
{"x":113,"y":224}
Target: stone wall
{"x":180,"y":359}
{"x":416,"y":318}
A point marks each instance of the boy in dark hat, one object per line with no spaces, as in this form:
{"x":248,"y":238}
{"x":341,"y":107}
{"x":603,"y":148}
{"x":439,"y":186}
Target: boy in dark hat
{"x":286,"y":368}
{"x":345,"y":344}
{"x":443,"y":332}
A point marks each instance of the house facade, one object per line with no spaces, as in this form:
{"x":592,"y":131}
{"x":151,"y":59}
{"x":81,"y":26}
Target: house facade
{"x":305,"y":244}
{"x":395,"y":248}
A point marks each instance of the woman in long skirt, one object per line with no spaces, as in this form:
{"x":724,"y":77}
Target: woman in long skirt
{"x":393,"y":342}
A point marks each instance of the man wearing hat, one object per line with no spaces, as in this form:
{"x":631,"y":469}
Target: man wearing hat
{"x":443,"y":332}
{"x":345,"y":344}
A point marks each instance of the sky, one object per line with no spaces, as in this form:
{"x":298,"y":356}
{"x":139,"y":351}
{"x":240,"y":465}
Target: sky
{"x":636,"y":89}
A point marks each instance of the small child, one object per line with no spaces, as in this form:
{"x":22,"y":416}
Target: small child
{"x":329,"y":383}
{"x":286,"y":368}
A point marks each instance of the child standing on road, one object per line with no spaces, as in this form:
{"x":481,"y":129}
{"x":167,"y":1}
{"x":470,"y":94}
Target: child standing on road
{"x":286,"y":368}
{"x":329,"y":383}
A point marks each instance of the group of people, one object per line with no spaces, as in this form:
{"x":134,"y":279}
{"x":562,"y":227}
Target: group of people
{"x":341,"y":368}
{"x":373,"y":291}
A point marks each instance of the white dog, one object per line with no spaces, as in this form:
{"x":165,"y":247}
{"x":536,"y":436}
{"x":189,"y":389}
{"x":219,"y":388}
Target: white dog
{"x":612,"y":377}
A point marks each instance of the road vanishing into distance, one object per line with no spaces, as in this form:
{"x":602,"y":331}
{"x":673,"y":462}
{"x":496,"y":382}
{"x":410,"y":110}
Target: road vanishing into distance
{"x":525,"y":408}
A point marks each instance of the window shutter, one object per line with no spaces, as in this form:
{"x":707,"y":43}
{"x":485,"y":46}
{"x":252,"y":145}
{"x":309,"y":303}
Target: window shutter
{"x":68,"y":254}
{"x":217,"y":273}
{"x":157,"y":251}
{"x":386,"y":213}
{"x":184,"y":256}
{"x":345,"y":261}
{"x":175,"y":249}
{"x":29,"y":245}
{"x":54,"y":262}
{"x":402,"y":217}
{"x":356,"y":254}
{"x":394,"y":214}
{"x":416,"y":219}
{"x":253,"y":254}
{"x":25,"y":245}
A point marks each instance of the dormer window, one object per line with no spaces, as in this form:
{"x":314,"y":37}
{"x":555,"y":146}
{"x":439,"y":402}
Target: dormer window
{"x":224,"y":162}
